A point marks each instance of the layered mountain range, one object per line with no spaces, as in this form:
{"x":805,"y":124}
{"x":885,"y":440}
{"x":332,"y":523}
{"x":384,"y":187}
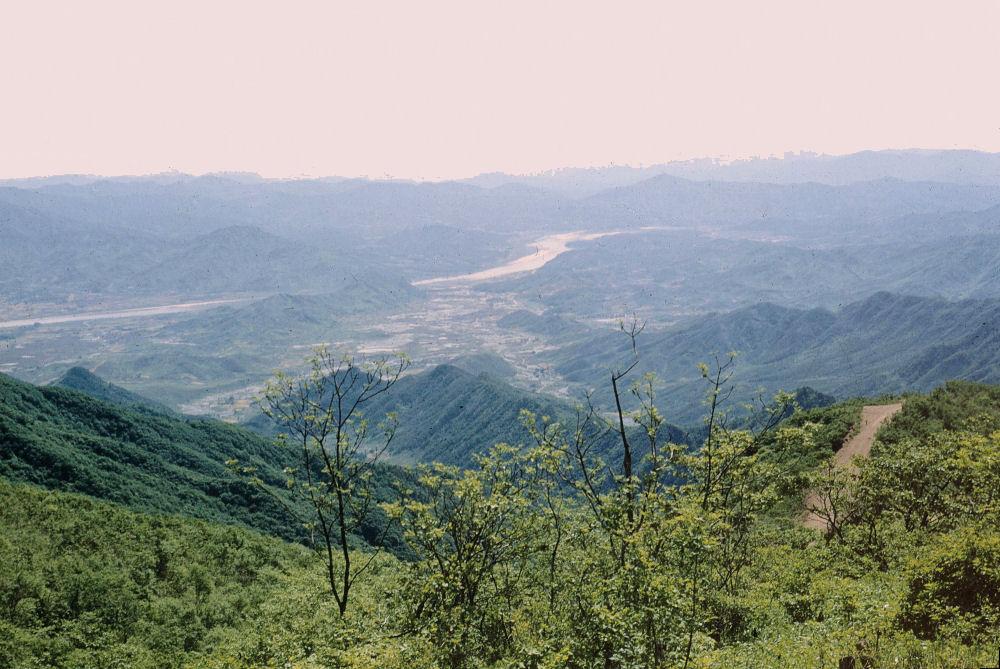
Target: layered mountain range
{"x":859,"y":274}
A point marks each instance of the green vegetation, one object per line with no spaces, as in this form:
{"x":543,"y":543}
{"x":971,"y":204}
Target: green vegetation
{"x":547,"y":556}
{"x":323,"y":423}
{"x":956,"y":405}
{"x":829,"y":426}
{"x":921,"y":515}
{"x":65,"y":440}
{"x":885,"y":343}
{"x":630,"y":571}
{"x":78,"y":378}
{"x":448,"y":415}
{"x":554,"y":552}
{"x":89,"y":584}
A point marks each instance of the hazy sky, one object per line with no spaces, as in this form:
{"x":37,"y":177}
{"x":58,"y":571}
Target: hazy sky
{"x":430,"y":89}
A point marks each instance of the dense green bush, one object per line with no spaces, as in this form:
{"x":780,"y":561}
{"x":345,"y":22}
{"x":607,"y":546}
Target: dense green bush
{"x":953,"y":586}
{"x":83,"y":582}
{"x":949,"y":407}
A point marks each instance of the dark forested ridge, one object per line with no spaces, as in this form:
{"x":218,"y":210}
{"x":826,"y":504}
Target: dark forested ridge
{"x":66,"y":440}
{"x":885,"y":343}
{"x":78,"y":378}
{"x":447,"y":415}
{"x":148,"y":460}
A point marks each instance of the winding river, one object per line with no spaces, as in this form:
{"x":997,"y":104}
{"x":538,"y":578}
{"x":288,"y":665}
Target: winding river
{"x":546,"y":249}
{"x":121,"y":313}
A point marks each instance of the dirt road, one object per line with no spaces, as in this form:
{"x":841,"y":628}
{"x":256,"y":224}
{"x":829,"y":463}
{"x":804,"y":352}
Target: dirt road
{"x":872,"y":417}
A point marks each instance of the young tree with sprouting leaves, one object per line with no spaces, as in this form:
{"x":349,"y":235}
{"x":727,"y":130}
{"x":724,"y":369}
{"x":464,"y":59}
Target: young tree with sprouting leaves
{"x":323,"y":423}
{"x":477,"y":536}
{"x":669,"y":530}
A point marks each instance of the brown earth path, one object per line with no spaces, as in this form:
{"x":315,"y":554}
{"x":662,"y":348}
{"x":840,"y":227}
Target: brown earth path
{"x":872,"y":417}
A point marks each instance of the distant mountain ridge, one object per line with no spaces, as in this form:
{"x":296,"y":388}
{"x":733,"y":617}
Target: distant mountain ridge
{"x":952,"y":166}
{"x":945,"y":165}
{"x":666,"y":199}
{"x":325,"y":261}
{"x":669,"y":272}
{"x":884,"y":343}
{"x":222,"y":233}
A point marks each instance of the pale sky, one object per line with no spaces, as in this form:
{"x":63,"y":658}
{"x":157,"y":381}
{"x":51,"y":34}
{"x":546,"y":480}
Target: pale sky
{"x":428,"y":89}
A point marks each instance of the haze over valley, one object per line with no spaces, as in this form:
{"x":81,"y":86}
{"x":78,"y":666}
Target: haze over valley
{"x":192,"y":290}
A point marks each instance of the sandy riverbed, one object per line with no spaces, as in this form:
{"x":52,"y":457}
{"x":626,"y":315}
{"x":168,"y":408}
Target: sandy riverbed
{"x":122,"y":313}
{"x":546,"y":249}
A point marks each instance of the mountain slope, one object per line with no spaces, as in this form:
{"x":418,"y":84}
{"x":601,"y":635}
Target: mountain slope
{"x":243,"y":258}
{"x":78,"y":378}
{"x":86,"y":583}
{"x":885,"y":343}
{"x":63,"y":439}
{"x":45,"y":255}
{"x":285,"y":318}
{"x":54,"y":249}
{"x":447,"y":415}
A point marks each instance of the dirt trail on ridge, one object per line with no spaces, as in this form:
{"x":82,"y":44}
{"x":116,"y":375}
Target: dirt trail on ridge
{"x":872,"y":417}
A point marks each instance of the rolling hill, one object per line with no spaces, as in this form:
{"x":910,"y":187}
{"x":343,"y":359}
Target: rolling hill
{"x":447,"y":415}
{"x":66,"y":440}
{"x":885,"y":343}
{"x":78,"y":378}
{"x":669,"y":273}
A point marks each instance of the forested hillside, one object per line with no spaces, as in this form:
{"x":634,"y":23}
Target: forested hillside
{"x":78,"y":378}
{"x":885,"y":343}
{"x":448,"y":415}
{"x":89,"y":584}
{"x":66,"y":440}
{"x":520,"y":562}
